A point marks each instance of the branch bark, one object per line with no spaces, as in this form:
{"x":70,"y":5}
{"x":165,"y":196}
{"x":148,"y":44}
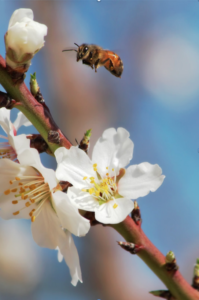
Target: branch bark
{"x":38,"y":114}
{"x":155,"y":260}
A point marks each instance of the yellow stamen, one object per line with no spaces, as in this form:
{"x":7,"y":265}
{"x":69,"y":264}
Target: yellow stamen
{"x":7,"y":192}
{"x":115,"y":205}
{"x":95,"y":169}
{"x":85,"y":178}
{"x":17,"y":178}
{"x":11,"y":182}
{"x":107,"y":168}
{"x":107,"y":174}
{"x":22,"y":196}
{"x":33,"y":219}
{"x":27,"y":204}
{"x":113,"y":169}
{"x":14,"y":202}
{"x":13,"y":190}
{"x":94,"y":165}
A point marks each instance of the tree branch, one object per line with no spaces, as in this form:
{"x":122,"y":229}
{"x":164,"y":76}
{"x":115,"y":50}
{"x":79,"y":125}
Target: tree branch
{"x":155,"y":260}
{"x":38,"y":114}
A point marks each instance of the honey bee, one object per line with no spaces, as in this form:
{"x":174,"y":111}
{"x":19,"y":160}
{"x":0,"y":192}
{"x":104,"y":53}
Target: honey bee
{"x":95,"y":57}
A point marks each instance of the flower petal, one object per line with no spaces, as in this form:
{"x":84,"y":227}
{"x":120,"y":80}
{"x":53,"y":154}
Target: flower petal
{"x":73,"y":165}
{"x":19,"y":142}
{"x":114,"y":150}
{"x":5,"y":120}
{"x":114,"y":211}
{"x":21,"y":120}
{"x":140,"y":179}
{"x":30,"y":157}
{"x":47,"y":232}
{"x":69,"y":216}
{"x":19,"y":14}
{"x":70,"y":254}
{"x":82,"y":200}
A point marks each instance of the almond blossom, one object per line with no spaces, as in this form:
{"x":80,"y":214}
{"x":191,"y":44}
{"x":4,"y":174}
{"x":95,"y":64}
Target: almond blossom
{"x":23,"y":39}
{"x":31,"y":191}
{"x":15,"y":143}
{"x":101,"y":184}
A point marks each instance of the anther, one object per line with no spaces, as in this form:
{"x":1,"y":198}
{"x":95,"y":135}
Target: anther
{"x":32,"y":218}
{"x":14,"y":202}
{"x":7,"y":192}
{"x":11,"y":182}
{"x":27,"y":204}
{"x":13,"y":190}
{"x":85,"y":178}
{"x":17,"y":178}
{"x":15,"y":213}
{"x":115,"y":205}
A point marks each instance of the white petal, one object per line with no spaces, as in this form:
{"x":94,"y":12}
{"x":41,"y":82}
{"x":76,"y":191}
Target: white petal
{"x":69,"y":216}
{"x":114,"y":150}
{"x":5,"y":120}
{"x":47,"y":232}
{"x":82,"y":200}
{"x":9,"y":170}
{"x":21,"y":120}
{"x":19,"y":143}
{"x":107,"y":214}
{"x":139,"y":180}
{"x":19,"y":14}
{"x":30,"y":157}
{"x":59,"y":255}
{"x":69,"y":251}
{"x":73,"y":165}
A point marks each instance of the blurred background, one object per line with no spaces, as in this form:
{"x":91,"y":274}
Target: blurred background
{"x":156,"y":100}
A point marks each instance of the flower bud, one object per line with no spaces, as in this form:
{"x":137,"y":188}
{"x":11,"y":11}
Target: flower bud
{"x":23,"y":39}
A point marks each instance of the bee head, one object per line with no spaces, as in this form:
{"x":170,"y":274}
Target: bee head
{"x":82,"y":51}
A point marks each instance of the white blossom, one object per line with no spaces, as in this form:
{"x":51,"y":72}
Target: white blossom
{"x":31,"y":191}
{"x":15,"y":143}
{"x":101,"y":184}
{"x":23,"y":39}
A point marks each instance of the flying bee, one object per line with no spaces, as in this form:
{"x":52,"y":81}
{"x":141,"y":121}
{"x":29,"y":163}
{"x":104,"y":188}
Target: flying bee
{"x":95,"y":57}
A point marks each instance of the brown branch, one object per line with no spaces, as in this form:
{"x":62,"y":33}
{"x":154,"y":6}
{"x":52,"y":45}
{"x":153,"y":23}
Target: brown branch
{"x":155,"y":260}
{"x":37,"y":113}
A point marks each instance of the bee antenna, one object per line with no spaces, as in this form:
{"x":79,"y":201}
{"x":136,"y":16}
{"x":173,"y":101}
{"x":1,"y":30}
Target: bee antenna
{"x":76,"y":45}
{"x":69,"y":50}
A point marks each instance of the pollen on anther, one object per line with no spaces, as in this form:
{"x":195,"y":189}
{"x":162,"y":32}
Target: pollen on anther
{"x":115,"y":205}
{"x":14,"y":202}
{"x":94,"y":165}
{"x":107,"y":168}
{"x":27,"y":204}
{"x":85,"y":178}
{"x":13,"y":190}
{"x":32,"y":218}
{"x":113,"y":169}
{"x":95,"y":169}
{"x":17,"y":178}
{"x":107,"y":174}
{"x":11,"y":182}
{"x":15,"y":213}
{"x":7,"y":192}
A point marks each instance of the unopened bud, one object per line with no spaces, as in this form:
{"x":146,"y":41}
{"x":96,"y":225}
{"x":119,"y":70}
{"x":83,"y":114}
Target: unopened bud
{"x":163,"y":294}
{"x":170,"y":257}
{"x":130,"y":247}
{"x":85,"y":142}
{"x":23,"y":40}
{"x":171,"y":262}
{"x":34,"y":88}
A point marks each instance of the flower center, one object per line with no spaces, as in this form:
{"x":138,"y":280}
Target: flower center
{"x":6,"y":150}
{"x":32,"y":191}
{"x":103,"y":189}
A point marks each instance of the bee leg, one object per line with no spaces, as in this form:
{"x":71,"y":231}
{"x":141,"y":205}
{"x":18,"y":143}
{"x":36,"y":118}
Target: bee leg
{"x":88,"y":63}
{"x":97,"y":64}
